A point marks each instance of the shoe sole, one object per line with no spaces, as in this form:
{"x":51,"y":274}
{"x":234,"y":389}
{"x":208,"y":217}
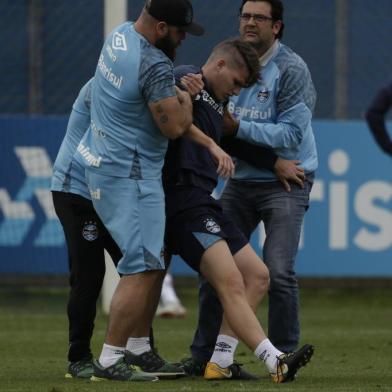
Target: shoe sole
{"x":218,"y":378}
{"x":95,"y":378}
{"x":231,"y":377}
{"x":69,"y":375}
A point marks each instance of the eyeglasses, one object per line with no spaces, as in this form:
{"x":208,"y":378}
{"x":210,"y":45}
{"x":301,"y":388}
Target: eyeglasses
{"x":257,"y":17}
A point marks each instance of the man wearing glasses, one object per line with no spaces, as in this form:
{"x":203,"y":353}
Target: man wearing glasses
{"x":275,"y":112}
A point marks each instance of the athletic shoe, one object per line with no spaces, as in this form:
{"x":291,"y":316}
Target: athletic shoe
{"x":192,"y":367}
{"x":233,"y":372}
{"x":120,"y":371}
{"x":80,"y":369}
{"x":171,"y":310}
{"x":150,"y":362}
{"x":288,"y":364}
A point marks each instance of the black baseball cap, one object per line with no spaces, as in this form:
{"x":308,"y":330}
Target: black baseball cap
{"x":176,"y":13}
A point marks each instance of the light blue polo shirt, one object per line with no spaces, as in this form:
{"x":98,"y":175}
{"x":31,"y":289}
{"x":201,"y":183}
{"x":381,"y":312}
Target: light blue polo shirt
{"x":68,"y":174}
{"x":123,"y":139}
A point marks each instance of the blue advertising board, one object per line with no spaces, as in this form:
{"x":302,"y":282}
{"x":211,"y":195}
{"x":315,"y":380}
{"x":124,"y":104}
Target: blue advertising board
{"x":347,"y":231}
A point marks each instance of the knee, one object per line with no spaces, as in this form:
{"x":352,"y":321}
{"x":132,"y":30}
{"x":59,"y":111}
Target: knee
{"x":258,"y":282}
{"x":234,"y":286}
{"x":263,"y":279}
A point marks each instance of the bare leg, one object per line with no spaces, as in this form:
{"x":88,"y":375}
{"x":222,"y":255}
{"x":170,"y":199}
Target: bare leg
{"x":133,"y":306}
{"x":218,"y":266}
{"x":256,"y":279}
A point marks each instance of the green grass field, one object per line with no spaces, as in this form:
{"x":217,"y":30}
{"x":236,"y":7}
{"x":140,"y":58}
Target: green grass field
{"x":350,"y":328}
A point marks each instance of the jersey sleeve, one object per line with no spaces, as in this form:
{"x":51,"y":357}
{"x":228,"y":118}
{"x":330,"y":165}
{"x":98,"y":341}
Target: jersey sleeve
{"x":295,"y":86}
{"x":156,"y":80}
{"x":257,"y":156}
{"x":82,"y":103}
{"x":295,"y":102}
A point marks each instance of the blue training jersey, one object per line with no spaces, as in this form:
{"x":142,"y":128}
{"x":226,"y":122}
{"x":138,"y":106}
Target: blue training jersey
{"x":276,"y":112}
{"x":68,"y":175}
{"x":189,"y":173}
{"x":123,"y":139}
{"x":186,"y":158}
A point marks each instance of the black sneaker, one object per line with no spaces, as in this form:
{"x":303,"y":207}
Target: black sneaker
{"x":233,"y":372}
{"x":120,"y":371}
{"x":192,"y":367}
{"x":150,"y":362}
{"x":80,"y":369}
{"x":288,"y":364}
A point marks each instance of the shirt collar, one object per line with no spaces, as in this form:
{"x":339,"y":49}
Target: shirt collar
{"x":267,"y":56}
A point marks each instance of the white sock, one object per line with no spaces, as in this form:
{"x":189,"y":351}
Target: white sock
{"x":168,"y":294}
{"x":138,"y":346}
{"x":110,"y":355}
{"x":224,"y":350}
{"x":268,"y":353}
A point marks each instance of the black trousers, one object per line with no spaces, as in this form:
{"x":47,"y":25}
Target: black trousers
{"x":86,"y":239}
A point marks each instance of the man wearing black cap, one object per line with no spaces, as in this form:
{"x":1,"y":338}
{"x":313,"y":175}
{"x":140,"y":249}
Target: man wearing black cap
{"x":175,"y":13}
{"x":135,"y":108}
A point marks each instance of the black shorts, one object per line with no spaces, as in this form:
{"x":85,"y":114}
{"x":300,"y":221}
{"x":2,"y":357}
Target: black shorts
{"x":85,"y":234}
{"x":191,"y":232}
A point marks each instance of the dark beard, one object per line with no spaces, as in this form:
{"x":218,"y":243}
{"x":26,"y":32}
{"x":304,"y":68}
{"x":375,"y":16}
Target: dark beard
{"x":167,"y":46}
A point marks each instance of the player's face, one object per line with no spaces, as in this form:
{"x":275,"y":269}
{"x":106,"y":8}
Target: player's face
{"x":229,"y":81}
{"x":256,"y":25}
{"x":171,"y":41}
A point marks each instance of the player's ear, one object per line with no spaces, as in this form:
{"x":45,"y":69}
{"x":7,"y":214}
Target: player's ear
{"x":162,"y":29}
{"x":220,"y":64}
{"x":277,"y":26}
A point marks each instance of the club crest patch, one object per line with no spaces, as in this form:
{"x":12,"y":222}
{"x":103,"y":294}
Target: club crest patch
{"x":263,"y":95}
{"x":212,"y":226}
{"x":119,"y":42}
{"x":90,"y":231}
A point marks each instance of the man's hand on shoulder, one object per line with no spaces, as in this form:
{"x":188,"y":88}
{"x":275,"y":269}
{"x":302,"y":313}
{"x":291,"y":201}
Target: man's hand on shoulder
{"x":193,"y":83}
{"x":287,"y":170}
